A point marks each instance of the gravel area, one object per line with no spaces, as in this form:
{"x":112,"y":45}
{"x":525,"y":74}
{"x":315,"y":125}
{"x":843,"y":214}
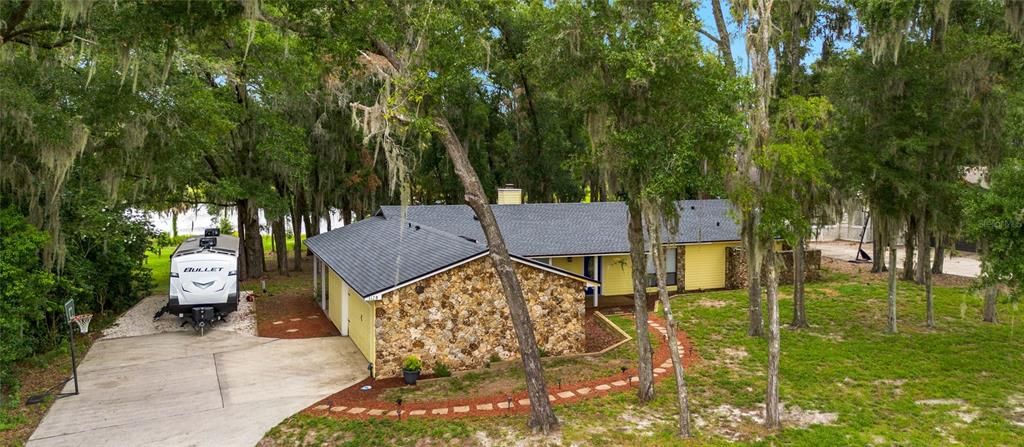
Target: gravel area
{"x":139,"y":320}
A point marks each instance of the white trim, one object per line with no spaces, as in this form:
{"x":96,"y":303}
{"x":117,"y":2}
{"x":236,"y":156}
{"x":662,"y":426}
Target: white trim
{"x":377,"y":296}
{"x":626,"y":253}
{"x":344,"y":308}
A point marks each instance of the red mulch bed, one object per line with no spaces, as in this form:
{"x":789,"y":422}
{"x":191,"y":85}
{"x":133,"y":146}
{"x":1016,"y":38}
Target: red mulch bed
{"x":297,"y":315}
{"x":598,"y":336}
{"x":352,"y":397}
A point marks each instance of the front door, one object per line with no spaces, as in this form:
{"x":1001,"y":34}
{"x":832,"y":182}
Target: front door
{"x":592,"y":269}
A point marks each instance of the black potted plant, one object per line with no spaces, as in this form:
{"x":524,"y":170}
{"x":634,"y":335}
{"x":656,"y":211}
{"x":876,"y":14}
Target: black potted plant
{"x":411,"y":367}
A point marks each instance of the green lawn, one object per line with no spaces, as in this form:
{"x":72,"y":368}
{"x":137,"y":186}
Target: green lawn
{"x":959,"y":383}
{"x":160,"y":264}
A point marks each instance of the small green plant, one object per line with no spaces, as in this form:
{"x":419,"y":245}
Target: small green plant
{"x":542,"y":352}
{"x":495,"y":358}
{"x":412,"y":363}
{"x":442,"y":370}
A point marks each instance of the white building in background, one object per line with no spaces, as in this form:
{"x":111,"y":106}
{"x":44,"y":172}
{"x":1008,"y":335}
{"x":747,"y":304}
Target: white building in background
{"x":195,"y":220}
{"x":854,"y":222}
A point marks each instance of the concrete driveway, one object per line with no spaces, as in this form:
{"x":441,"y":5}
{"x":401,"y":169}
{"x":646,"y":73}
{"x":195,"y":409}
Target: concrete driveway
{"x":966,"y":264}
{"x":179,"y":389}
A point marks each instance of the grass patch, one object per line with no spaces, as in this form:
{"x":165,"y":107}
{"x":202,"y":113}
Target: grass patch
{"x":957,"y":383}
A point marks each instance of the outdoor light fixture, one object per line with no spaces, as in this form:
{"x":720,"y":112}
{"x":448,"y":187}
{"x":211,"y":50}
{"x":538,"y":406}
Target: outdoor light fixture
{"x":263,"y":285}
{"x":509,"y":401}
{"x":398,"y":402}
{"x":369,"y":367}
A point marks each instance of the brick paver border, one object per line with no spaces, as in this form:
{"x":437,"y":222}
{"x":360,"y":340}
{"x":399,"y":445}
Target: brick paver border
{"x":504,"y":404}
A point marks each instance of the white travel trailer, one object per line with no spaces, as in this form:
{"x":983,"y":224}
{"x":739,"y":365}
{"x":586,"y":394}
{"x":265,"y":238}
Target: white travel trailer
{"x":204,"y":279}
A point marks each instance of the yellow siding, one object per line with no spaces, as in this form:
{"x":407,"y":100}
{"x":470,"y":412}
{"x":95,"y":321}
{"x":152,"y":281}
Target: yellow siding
{"x":617,"y":275}
{"x":705,"y":265}
{"x":573,"y":264}
{"x":334,"y":298}
{"x":510,"y":196}
{"x":361,"y":325}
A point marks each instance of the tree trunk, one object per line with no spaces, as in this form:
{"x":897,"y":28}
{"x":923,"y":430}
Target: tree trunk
{"x":297,"y":235}
{"x":750,"y":243}
{"x":645,"y":369}
{"x":929,"y":304}
{"x":772,"y":412}
{"x":542,"y":417}
{"x":940,"y":253}
{"x":174,"y":224}
{"x":329,"y":217}
{"x":892,"y":289}
{"x":908,"y":249}
{"x":724,"y":39}
{"x":280,"y":245}
{"x":878,"y":242}
{"x":682,"y":399}
{"x":251,"y":239}
{"x":799,"y":311}
{"x":242,"y":212}
{"x":988,"y":314}
{"x":346,"y":212}
{"x":923,"y":250}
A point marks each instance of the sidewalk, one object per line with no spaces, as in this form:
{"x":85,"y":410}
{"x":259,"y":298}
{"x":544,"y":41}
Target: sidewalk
{"x":966,"y":264}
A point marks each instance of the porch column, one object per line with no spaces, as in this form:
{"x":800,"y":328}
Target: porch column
{"x":316,"y":266}
{"x":323,"y":285}
{"x":344,"y":308}
{"x":597,"y":278}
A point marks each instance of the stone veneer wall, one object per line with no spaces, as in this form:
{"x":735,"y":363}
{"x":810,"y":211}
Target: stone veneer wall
{"x":459,"y":317}
{"x":736,"y":267}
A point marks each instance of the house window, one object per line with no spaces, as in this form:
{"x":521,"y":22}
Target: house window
{"x":670,"y":268}
{"x":543,"y":260}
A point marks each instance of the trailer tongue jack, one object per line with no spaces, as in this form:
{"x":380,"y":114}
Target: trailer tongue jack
{"x":201,"y":318}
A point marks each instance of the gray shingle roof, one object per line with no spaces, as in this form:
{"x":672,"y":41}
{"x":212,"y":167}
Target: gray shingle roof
{"x":572,"y":229}
{"x":376,"y":254}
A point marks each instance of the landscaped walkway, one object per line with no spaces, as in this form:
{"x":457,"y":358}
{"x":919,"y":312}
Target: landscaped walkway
{"x":503,"y":404}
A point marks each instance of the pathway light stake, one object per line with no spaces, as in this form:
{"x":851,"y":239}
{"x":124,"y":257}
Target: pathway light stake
{"x":369,"y":367}
{"x":510,"y":403}
{"x":399,"y":403}
{"x":263,"y":285}
{"x":629,"y":380}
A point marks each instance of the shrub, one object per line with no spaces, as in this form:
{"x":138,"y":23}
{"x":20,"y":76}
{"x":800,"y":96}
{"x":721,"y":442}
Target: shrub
{"x":441,"y":370}
{"x":412,"y":363}
{"x":495,"y":358}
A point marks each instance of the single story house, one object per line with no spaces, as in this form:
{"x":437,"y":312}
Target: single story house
{"x":423,"y":283}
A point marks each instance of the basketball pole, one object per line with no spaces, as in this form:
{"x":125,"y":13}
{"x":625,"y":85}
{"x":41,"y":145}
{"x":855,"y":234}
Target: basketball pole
{"x":74,"y":366}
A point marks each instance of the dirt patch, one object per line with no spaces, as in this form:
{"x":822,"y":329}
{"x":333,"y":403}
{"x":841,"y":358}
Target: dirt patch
{"x":292,"y":315}
{"x":139,"y":319}
{"x":962,"y":411}
{"x":641,"y":421}
{"x":895,"y":384}
{"x":1016,"y":403}
{"x":705,"y":302}
{"x":743,"y":424}
{"x":598,"y":336}
{"x":862,"y":272}
{"x":835,"y":338}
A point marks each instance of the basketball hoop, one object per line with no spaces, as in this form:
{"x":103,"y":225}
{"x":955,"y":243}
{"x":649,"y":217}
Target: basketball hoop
{"x":82,"y":321}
